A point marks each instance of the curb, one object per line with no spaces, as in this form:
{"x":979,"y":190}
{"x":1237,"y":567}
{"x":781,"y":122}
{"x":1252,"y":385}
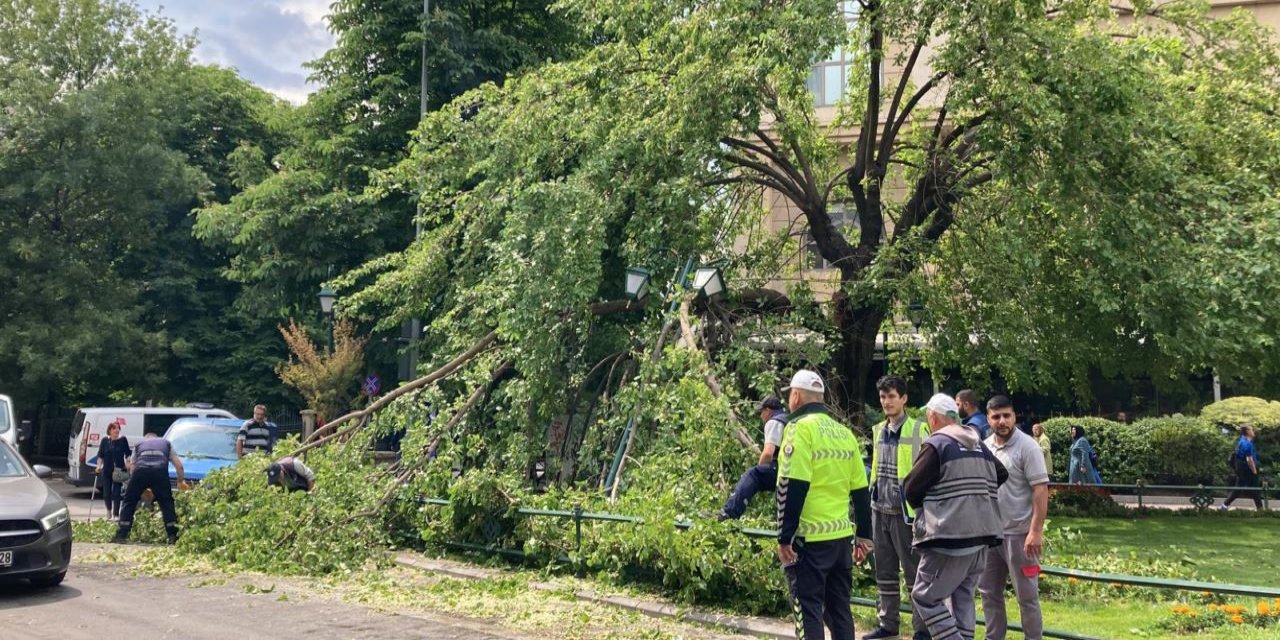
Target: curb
{"x":757,"y":627}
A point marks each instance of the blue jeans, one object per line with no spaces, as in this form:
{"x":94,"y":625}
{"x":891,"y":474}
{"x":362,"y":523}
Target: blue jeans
{"x":762,"y":477}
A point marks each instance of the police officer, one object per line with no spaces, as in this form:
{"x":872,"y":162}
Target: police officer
{"x":896,"y":443}
{"x":820,"y":474}
{"x":291,"y":474}
{"x":149,"y":469}
{"x":953,"y":484}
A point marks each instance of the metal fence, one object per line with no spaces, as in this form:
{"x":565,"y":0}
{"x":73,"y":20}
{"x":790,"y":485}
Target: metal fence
{"x":493,"y":532}
{"x":1199,"y":495}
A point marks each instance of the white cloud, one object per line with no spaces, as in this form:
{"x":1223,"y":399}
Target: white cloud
{"x":266,"y":41}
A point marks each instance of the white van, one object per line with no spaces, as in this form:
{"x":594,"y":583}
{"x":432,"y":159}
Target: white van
{"x":89,"y":427}
{"x":8,"y":426}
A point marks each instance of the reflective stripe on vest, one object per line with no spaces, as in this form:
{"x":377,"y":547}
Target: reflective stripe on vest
{"x":914,"y":433}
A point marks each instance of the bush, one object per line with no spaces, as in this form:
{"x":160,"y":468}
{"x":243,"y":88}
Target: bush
{"x":1121,"y":449}
{"x":1185,"y":451}
{"x":1262,"y":414}
{"x":1085,"y":503}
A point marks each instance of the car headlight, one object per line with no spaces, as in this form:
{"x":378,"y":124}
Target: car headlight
{"x":56,"y":518}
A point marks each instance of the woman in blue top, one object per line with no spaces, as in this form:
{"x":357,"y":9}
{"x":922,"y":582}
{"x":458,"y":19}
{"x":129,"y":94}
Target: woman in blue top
{"x":1246,"y":463}
{"x":1082,"y":470}
{"x":111,"y":457}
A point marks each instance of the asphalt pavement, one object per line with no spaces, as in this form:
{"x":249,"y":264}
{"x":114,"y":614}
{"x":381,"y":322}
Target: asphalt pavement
{"x":102,"y":601}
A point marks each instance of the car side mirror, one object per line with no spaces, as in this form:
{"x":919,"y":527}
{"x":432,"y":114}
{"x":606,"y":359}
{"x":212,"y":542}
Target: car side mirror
{"x":42,"y":471}
{"x":24,"y":431}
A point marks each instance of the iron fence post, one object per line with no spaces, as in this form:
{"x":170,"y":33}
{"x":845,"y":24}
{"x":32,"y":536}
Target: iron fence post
{"x":1265,"y":504}
{"x":577,"y":537}
{"x":1139,"y":484}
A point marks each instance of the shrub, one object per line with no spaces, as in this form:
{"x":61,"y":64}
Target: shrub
{"x":1084,"y":502}
{"x":1185,"y":451}
{"x":1120,"y":448}
{"x":1262,"y":414}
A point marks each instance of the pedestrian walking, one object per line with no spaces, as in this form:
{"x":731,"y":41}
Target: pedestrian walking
{"x":149,"y":470}
{"x":764,"y":475}
{"x":1246,"y":463}
{"x":292,"y":474}
{"x":113,"y":470}
{"x":896,"y":444}
{"x":257,"y":434}
{"x":1084,"y":459}
{"x":1024,"y":504}
{"x":1046,"y":449}
{"x":953,"y":485}
{"x":821,"y":482}
{"x":971,"y":410}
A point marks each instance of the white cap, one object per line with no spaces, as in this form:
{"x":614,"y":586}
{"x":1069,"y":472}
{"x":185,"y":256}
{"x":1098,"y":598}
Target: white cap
{"x":943,"y":404}
{"x":808,"y":381}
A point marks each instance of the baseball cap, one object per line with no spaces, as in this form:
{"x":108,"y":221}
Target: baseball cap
{"x":943,"y":404}
{"x":772,"y":402}
{"x":808,"y":381}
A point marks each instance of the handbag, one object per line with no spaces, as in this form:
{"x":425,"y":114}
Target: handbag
{"x":119,"y":475}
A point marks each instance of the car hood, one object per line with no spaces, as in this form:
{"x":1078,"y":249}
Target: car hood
{"x":198,"y":468}
{"x":22,"y":497}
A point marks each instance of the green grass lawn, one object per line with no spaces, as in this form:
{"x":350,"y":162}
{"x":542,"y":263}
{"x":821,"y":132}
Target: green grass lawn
{"x":1234,"y":550}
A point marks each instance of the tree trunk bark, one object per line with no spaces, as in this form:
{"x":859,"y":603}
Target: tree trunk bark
{"x":854,"y":358}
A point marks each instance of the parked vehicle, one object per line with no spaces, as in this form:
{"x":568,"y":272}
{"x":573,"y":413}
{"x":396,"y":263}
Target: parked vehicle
{"x":89,"y":427}
{"x":35,"y":524}
{"x":8,"y":426}
{"x":204,"y":445}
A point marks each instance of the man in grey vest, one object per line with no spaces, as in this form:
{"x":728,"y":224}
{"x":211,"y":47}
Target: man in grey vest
{"x":149,"y":469}
{"x":953,"y":487}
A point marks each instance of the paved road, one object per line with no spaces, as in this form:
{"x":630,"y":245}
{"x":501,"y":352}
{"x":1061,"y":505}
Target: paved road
{"x":101,"y":601}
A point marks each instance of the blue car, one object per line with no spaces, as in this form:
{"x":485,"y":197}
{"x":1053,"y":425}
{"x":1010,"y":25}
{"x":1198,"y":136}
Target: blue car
{"x":204,"y":445}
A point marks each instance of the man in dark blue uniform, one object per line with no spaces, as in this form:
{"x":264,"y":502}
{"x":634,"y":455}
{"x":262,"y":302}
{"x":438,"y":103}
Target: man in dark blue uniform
{"x":150,"y":470}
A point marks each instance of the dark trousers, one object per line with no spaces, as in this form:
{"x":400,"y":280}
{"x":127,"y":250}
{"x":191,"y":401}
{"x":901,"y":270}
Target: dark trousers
{"x":157,"y":480}
{"x":1246,"y":478}
{"x":819,"y":584}
{"x":762,"y":477}
{"x":112,"y":493}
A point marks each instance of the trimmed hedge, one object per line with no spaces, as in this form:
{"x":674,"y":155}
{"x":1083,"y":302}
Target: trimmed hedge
{"x":1156,"y":450}
{"x":1262,"y":414}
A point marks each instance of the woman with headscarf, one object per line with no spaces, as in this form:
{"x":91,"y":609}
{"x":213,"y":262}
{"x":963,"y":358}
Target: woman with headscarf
{"x":1082,"y":469}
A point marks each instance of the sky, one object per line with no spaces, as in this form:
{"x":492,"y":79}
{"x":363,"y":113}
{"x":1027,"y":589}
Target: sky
{"x":265,"y":40}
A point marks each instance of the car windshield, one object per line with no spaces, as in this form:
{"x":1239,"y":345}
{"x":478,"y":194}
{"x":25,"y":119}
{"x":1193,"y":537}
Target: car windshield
{"x":10,"y":465}
{"x":203,"y":441}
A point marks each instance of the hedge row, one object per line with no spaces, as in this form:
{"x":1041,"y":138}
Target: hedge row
{"x":1262,"y":414}
{"x":1155,"y":450}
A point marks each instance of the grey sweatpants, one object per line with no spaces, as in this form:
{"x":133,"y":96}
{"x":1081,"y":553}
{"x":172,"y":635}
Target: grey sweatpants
{"x":944,"y":591}
{"x":894,"y":558}
{"x":1002,"y":562}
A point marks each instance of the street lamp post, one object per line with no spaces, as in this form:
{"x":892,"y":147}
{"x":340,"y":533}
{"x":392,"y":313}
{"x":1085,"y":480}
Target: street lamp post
{"x":327,"y":298}
{"x":915,"y":313}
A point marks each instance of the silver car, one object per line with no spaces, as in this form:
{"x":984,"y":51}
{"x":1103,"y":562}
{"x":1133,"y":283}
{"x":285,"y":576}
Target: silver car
{"x":35,"y":524}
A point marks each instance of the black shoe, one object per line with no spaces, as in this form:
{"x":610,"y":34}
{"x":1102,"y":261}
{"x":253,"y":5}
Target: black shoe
{"x":119,"y":539}
{"x":921,"y":635}
{"x":881,"y":634}
{"x":173,"y":539}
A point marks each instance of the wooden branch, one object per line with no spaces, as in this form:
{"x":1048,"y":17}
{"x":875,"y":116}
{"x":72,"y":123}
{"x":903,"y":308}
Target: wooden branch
{"x":408,"y":387}
{"x":895,"y":126}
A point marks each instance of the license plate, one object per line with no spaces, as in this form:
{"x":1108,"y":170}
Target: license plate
{"x":6,"y":558}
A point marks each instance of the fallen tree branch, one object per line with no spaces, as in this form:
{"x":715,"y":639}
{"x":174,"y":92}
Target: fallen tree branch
{"x":444,"y":371}
{"x":712,"y":383}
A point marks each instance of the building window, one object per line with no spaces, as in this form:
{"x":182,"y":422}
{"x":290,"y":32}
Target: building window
{"x":845,"y":218}
{"x":829,"y":78}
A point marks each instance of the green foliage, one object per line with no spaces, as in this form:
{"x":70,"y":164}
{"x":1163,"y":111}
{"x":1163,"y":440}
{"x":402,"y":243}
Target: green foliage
{"x":1155,"y":450}
{"x":1084,"y":502}
{"x":1264,"y":415}
{"x":1071,"y":549}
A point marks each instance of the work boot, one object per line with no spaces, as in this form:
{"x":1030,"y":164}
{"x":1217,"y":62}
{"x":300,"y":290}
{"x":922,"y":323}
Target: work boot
{"x":881,"y":634}
{"x":171,"y":528}
{"x":122,"y":535}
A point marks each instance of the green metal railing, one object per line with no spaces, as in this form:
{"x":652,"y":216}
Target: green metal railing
{"x":1202,"y":496}
{"x":579,"y":516}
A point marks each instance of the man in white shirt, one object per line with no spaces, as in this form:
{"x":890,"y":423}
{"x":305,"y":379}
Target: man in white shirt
{"x":1024,"y":503}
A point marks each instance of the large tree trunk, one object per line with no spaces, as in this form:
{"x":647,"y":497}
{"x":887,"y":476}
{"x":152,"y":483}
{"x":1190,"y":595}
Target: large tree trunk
{"x":854,"y":358}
